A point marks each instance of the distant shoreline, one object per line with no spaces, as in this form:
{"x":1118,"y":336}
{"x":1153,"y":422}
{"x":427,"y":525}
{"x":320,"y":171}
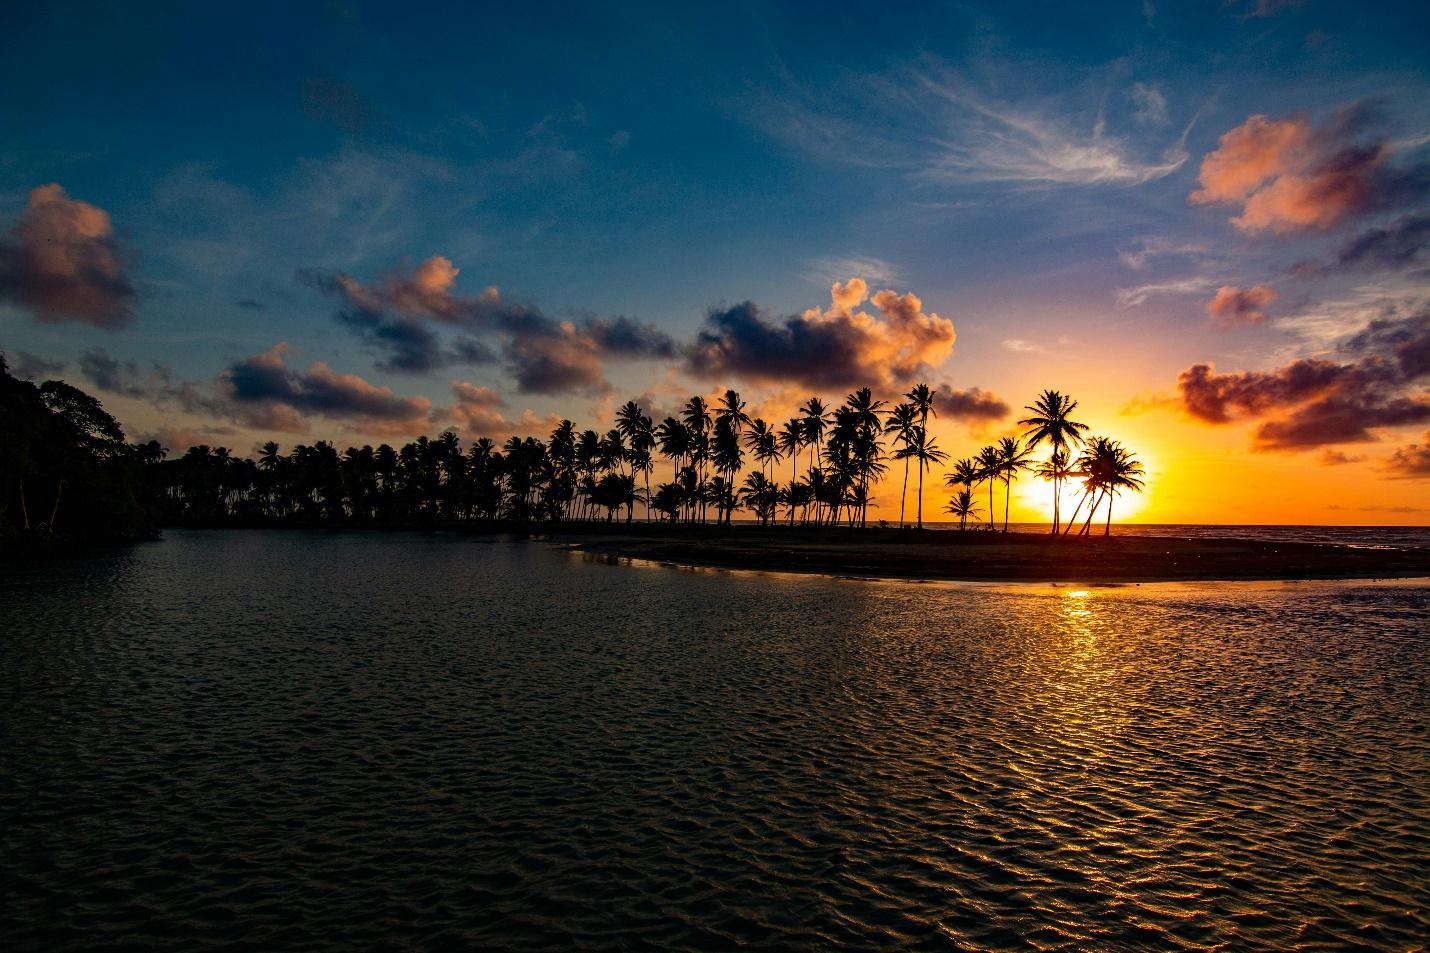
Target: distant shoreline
{"x":1015,"y":557}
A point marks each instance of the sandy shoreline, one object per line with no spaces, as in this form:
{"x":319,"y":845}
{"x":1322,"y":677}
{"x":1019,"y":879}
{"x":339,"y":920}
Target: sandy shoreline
{"x":1016,"y":557}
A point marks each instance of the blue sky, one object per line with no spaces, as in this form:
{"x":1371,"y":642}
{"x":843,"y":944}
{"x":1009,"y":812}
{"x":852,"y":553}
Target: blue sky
{"x":1024,"y":169}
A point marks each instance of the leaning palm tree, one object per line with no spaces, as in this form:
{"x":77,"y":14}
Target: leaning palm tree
{"x":1050,"y":419}
{"x":1014,"y":460}
{"x":1126,"y":474}
{"x":1056,"y":468}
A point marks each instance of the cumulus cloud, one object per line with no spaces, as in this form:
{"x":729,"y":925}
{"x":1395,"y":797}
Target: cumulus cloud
{"x":1288,"y":175}
{"x":838,"y":347}
{"x":1232,"y":307}
{"x":396,"y":315}
{"x":1313,"y":402}
{"x":267,"y":393}
{"x":1412,"y":461}
{"x":60,"y":261}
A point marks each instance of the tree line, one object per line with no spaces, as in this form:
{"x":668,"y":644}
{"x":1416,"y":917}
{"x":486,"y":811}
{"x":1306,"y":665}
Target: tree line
{"x":720,"y":460}
{"x":68,"y":470}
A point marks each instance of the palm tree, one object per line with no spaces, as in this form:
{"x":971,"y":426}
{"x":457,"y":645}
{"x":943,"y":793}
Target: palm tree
{"x":922,"y":397}
{"x":762,"y":443}
{"x":1126,"y":474}
{"x":1050,"y":419}
{"x":732,"y":411}
{"x":902,"y":422}
{"x":990,"y":464}
{"x":1013,"y":459}
{"x":1056,"y":469}
{"x":791,"y":439}
{"x":816,"y":421}
{"x":962,"y":506}
{"x":926,"y":451}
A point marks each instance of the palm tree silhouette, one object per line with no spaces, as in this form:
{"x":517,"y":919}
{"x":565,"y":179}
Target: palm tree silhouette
{"x":1050,"y":419}
{"x":990,"y":466}
{"x":1013,"y":459}
{"x":962,"y":506}
{"x":816,"y":421}
{"x":922,"y":397}
{"x":902,"y":422}
{"x":790,"y":442}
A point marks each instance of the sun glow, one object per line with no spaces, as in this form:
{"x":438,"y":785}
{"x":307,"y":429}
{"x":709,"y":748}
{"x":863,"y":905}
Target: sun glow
{"x":1033,"y":498}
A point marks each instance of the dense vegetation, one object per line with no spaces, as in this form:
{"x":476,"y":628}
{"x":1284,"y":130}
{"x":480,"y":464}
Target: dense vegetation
{"x":585,"y":475}
{"x":60,"y":445}
{"x":66,"y":474}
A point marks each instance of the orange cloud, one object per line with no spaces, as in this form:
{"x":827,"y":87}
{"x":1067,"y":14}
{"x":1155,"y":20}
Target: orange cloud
{"x":1232,"y":306}
{"x":1288,"y":176}
{"x":60,"y":261}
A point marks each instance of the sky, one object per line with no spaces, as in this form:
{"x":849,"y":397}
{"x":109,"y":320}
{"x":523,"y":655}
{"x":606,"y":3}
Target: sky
{"x":1207,"y":222}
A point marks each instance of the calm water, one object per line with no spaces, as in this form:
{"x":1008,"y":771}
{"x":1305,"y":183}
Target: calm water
{"x":291,"y":741}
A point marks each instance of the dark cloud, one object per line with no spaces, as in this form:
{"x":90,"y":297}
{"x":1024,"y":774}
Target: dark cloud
{"x":1317,"y":402}
{"x":1394,"y":246}
{"x":32,"y":367}
{"x":833,"y":349}
{"x":544,"y":355}
{"x":973,"y":405}
{"x":1341,"y":418}
{"x":1411,"y":462}
{"x":272,"y":394}
{"x":1218,"y":398}
{"x":112,"y":375}
{"x":60,"y":261}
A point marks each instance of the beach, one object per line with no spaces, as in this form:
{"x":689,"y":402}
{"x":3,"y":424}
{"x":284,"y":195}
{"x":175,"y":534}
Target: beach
{"x":997,"y":557}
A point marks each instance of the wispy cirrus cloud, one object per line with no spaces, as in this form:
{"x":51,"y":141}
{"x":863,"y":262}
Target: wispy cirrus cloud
{"x":940,"y":126}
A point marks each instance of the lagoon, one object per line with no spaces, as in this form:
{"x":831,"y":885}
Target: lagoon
{"x":300,"y":740}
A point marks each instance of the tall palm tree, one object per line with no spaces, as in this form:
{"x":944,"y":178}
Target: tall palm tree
{"x":1050,"y":419}
{"x":922,"y":397}
{"x":990,"y":465}
{"x":903,"y":421}
{"x":816,"y":421}
{"x":790,"y":441}
{"x":732,"y":411}
{"x":1014,"y":459}
{"x":927,"y":453}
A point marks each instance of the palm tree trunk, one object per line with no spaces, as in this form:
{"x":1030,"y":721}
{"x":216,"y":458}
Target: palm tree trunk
{"x":1057,"y":498}
{"x":922,"y":467}
{"x":991,"y":511}
{"x":1090,"y":513}
{"x":54,"y":510}
{"x":24,"y":508}
{"x":1077,"y":511}
{"x":904,"y":493}
{"x":1007,"y":496}
{"x":1107,"y":530}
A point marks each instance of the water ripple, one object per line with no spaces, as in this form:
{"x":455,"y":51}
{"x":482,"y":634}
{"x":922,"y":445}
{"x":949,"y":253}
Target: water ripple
{"x":298,"y":741}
